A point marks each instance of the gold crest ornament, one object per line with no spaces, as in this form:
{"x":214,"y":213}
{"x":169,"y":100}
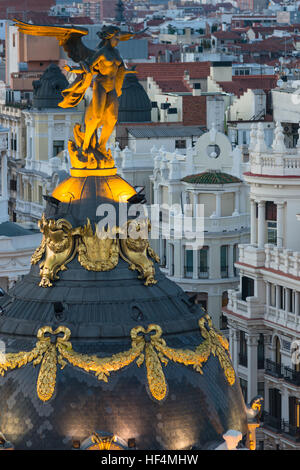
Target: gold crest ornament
{"x":98,"y":251}
{"x":58,"y":245}
{"x":147,"y":347}
{"x":135,"y":249}
{"x":103,"y":442}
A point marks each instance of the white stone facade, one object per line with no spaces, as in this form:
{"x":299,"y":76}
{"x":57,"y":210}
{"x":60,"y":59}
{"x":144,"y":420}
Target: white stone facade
{"x":263,"y":315}
{"x":205,"y":271}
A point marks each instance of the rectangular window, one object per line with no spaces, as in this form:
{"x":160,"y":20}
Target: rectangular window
{"x":271,"y":211}
{"x":58,"y":146}
{"x":261,"y":389}
{"x":180,"y":144}
{"x":247,"y":287}
{"x":13,"y":185}
{"x":273,"y":295}
{"x":203,"y":262}
{"x":189,"y":265}
{"x":275,"y":403}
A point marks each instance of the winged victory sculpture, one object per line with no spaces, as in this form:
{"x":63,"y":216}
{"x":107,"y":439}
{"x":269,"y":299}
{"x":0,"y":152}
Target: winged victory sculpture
{"x":104,"y":70}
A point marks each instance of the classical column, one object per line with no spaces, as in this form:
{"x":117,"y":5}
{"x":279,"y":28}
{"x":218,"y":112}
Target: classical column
{"x":296,"y":303}
{"x":230,"y":260}
{"x":19,"y":142}
{"x":182,"y":260}
{"x":195,"y":203}
{"x":284,"y":404}
{"x":231,"y":342}
{"x":214,"y":260}
{"x":261,"y":224}
{"x":167,"y":255}
{"x":4,"y":192}
{"x":218,"y":204}
{"x":9,"y":151}
{"x":287,"y":300}
{"x":235,"y":349}
{"x":50,"y":136}
{"x":253,"y":222}
{"x":237,"y":201}
{"x":268,"y":295}
{"x":280,"y":223}
{"x":252,"y":341}
{"x":278,"y":303}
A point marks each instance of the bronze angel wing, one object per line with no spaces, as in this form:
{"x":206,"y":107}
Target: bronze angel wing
{"x":69,"y":37}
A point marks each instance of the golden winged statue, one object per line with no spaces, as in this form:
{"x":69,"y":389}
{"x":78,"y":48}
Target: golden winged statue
{"x":103,"y":68}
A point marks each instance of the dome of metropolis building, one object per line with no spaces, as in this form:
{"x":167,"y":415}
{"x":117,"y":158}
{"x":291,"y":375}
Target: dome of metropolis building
{"x":134,"y":103}
{"x":153,"y":394}
{"x":47,"y":90}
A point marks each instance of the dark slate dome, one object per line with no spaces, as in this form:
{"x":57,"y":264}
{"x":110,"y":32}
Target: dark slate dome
{"x":101,"y":309}
{"x":47,"y":90}
{"x":134,"y":103}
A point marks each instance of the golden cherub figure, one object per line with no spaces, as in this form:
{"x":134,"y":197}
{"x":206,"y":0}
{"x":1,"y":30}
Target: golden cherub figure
{"x":102,"y":68}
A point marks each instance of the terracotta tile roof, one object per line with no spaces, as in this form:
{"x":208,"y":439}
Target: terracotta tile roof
{"x":197,"y":70}
{"x":169,"y":85}
{"x":273,"y":44}
{"x":240,"y":84}
{"x":155,"y":22}
{"x":227,"y":35}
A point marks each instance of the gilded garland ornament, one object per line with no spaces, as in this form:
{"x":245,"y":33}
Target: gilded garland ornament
{"x":147,"y":347}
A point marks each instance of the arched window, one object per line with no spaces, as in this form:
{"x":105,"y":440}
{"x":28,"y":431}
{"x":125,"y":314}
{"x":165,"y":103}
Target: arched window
{"x":277,"y":351}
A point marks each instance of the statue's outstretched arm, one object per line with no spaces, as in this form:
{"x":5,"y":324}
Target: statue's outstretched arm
{"x":69,"y":37}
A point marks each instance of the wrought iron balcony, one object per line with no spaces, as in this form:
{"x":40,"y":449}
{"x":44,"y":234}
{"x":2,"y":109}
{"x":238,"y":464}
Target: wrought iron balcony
{"x":272,"y":422}
{"x":280,"y":426}
{"x":291,"y":375}
{"x":273,"y":368}
{"x":291,"y":430}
